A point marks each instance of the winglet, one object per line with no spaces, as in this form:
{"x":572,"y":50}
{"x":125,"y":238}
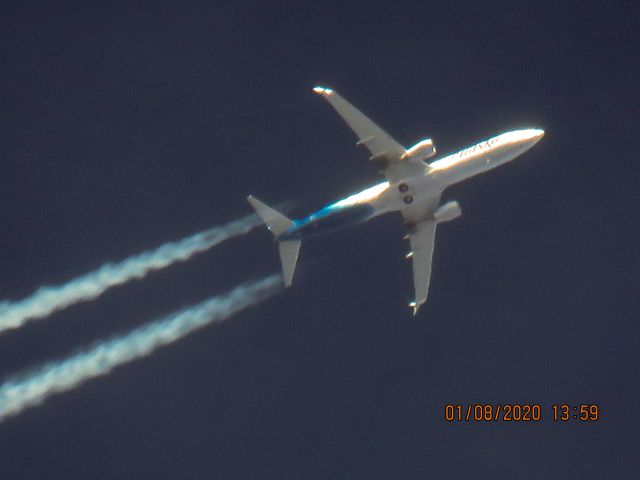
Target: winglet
{"x":415,"y":306}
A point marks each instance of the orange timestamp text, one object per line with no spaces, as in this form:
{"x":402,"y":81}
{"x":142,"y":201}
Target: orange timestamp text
{"x":516,"y":412}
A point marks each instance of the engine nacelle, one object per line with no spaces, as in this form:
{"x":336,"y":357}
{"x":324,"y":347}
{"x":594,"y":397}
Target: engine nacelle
{"x":422,"y":150}
{"x":447,"y":212}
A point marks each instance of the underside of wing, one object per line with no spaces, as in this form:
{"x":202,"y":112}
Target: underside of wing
{"x":420,"y":221}
{"x":388,"y":153}
{"x":422,"y":241}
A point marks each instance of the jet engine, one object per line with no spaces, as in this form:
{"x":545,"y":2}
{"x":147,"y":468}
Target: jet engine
{"x":421,"y":150}
{"x":447,"y":212}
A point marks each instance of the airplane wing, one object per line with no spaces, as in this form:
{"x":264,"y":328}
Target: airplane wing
{"x":422,"y":232}
{"x":384,"y":149}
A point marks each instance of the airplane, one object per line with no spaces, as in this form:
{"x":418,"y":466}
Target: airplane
{"x":412,"y":187}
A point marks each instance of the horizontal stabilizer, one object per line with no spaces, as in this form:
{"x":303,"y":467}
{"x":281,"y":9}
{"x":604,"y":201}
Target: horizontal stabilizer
{"x":279,"y":224}
{"x":275,"y":221}
{"x":288,"y":257}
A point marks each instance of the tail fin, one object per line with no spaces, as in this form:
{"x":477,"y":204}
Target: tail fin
{"x":278,"y":224}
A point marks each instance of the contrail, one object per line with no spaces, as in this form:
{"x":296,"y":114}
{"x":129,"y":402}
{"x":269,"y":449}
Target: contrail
{"x":33,"y":388}
{"x":46,"y":300}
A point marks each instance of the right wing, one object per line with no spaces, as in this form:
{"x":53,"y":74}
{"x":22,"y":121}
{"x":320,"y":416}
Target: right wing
{"x":422,"y":232}
{"x":384,"y":149}
{"x":422,"y":240}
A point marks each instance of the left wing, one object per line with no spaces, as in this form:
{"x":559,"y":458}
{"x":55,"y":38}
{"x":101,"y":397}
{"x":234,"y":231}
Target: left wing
{"x":392,"y":156}
{"x":422,"y":233}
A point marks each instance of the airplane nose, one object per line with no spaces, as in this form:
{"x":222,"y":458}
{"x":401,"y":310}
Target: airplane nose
{"x":534,"y":134}
{"x":539,"y":133}
{"x":527,"y":136}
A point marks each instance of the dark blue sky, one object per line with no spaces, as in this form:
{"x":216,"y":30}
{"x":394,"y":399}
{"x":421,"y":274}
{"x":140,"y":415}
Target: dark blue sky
{"x":123,"y":127}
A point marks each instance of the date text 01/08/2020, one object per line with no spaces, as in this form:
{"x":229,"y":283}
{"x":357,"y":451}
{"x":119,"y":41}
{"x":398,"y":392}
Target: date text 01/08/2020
{"x":488,"y":412}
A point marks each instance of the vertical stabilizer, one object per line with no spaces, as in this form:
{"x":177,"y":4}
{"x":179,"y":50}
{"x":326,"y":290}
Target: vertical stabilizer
{"x":278,"y":224}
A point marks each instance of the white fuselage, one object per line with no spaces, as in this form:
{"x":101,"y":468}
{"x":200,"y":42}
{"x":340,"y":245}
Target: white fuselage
{"x":440,"y":174}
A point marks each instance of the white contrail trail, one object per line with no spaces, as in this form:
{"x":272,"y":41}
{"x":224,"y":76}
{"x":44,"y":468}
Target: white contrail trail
{"x":33,"y":388}
{"x":46,"y":300}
